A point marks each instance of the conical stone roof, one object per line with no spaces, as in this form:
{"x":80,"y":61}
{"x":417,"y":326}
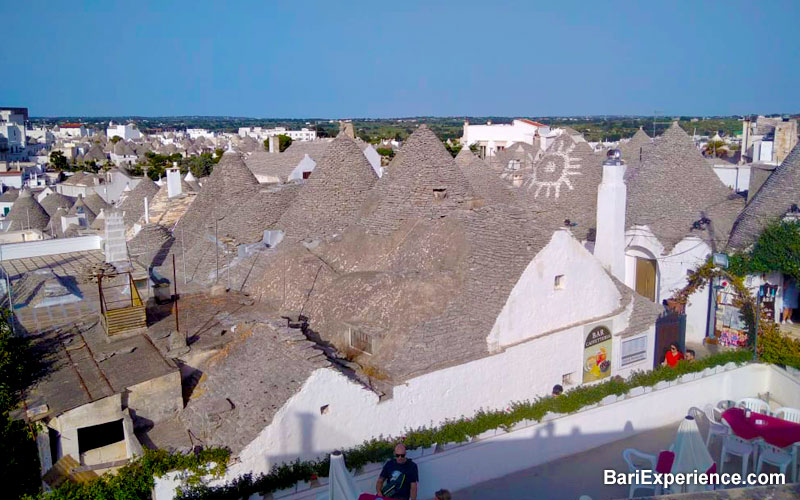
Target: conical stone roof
{"x":465,"y":157}
{"x":53,"y":201}
{"x":95,"y":202}
{"x":486,"y":183}
{"x":776,"y":196}
{"x":133,"y":202}
{"x":674,"y":187}
{"x":151,"y":244}
{"x":423,"y":181}
{"x":330,"y":199}
{"x":80,"y":206}
{"x":27,"y":213}
{"x":230,"y":176}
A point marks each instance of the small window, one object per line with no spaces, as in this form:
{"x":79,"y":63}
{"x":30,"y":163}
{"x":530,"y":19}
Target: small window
{"x":324,"y":409}
{"x":360,"y":340}
{"x":559,"y":282}
{"x":439,"y":193}
{"x":566,"y":379}
{"x":306,"y":175}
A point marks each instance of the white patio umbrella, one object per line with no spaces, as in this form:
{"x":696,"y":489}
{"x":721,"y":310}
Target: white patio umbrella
{"x":341,"y":485}
{"x":691,"y":453}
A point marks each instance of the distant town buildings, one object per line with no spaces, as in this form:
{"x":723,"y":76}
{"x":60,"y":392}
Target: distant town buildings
{"x":128,"y":132}
{"x":304,"y":134}
{"x":13,"y":128}
{"x":492,"y":138}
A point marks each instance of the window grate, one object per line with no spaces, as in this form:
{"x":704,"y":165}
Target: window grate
{"x":360,"y":341}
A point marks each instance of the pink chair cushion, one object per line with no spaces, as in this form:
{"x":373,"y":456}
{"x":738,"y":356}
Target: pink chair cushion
{"x":665,"y":460}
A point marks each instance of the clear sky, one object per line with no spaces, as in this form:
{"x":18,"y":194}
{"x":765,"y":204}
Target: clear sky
{"x":342,"y":58}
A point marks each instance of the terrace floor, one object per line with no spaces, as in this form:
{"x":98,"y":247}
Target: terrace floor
{"x":582,"y":474}
{"x":575,"y":475}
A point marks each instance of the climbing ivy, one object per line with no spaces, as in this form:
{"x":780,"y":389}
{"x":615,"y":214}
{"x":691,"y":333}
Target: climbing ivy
{"x":777,"y":249}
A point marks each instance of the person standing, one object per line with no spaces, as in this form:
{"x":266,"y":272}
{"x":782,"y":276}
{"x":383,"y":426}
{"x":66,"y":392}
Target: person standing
{"x":399,"y":478}
{"x":790,"y":293}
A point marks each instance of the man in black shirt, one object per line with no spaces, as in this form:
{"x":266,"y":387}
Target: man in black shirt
{"x":399,"y":477}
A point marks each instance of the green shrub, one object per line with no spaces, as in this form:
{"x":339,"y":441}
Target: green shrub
{"x":458,"y":430}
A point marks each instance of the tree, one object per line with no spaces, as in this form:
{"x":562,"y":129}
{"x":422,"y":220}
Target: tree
{"x":58,"y":160}
{"x":387,"y":152}
{"x":199,"y":166}
{"x":116,"y":139}
{"x":19,"y":462}
{"x":453,"y":149}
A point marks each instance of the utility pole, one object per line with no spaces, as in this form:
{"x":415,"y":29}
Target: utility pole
{"x":183,"y":254}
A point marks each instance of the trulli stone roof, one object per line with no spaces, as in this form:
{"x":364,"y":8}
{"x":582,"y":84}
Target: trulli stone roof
{"x":674,"y":187}
{"x":329,"y":200}
{"x":562,"y":185}
{"x":464,"y":157}
{"x":776,"y":196}
{"x":81,"y":206}
{"x":485,"y":182}
{"x":10,"y":194}
{"x":95,"y":202}
{"x":27,"y":213}
{"x":151,"y":245}
{"x":281,"y":165}
{"x":634,"y":151}
{"x":422,"y":182}
{"x":222,"y":410}
{"x":53,"y":201}
{"x":132,"y":203}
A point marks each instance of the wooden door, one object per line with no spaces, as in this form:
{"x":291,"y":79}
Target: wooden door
{"x":646,"y":278}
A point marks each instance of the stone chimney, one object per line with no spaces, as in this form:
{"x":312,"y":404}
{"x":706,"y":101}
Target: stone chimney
{"x":609,"y":245}
{"x":274,"y":143}
{"x":116,"y":248}
{"x":173,"y":181}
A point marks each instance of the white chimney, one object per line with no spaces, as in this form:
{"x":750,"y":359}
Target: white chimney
{"x":609,"y":245}
{"x":173,"y":181}
{"x":273,"y":144}
{"x":116,"y":249}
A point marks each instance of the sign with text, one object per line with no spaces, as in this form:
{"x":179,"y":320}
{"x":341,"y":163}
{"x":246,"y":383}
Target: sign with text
{"x":597,"y":354}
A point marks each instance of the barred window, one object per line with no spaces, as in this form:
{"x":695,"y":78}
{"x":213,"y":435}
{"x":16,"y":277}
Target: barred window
{"x":360,"y":340}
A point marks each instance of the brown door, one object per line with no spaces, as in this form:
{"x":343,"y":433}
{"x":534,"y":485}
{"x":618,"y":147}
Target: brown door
{"x":646,"y":278}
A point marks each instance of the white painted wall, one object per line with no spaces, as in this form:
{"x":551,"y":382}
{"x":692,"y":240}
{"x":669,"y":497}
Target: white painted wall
{"x":736,"y":177}
{"x":639,"y":411}
{"x":354,"y":414}
{"x":535,"y":306}
{"x":305,"y":165}
{"x":50,"y":247}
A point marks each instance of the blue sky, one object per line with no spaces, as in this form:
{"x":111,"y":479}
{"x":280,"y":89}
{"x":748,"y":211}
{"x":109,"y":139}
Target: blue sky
{"x":405,"y":58}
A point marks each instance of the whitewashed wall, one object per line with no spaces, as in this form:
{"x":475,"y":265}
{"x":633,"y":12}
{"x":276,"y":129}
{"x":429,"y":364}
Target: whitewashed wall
{"x":353,"y":415}
{"x":616,"y":418}
{"x":535,"y":306}
{"x":687,"y":255}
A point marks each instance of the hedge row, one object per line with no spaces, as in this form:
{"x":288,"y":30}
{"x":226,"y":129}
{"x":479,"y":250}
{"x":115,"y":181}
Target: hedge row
{"x":458,"y":430}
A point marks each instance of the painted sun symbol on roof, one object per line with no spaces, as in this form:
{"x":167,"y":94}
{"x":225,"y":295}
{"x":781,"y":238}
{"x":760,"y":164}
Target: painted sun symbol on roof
{"x":554,"y":171}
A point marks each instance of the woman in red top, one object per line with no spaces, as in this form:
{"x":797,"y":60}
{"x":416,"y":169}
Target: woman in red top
{"x":673,"y":356}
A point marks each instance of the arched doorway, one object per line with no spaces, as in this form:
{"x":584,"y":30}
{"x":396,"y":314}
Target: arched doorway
{"x":644,"y":268}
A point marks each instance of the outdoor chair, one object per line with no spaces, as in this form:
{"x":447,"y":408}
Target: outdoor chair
{"x":736,"y":446}
{"x":754,"y":404}
{"x":780,"y":458}
{"x":795,"y":451}
{"x":714,"y":413}
{"x":716,"y":426}
{"x":725,"y":404}
{"x":786,"y":413}
{"x":632,"y":456}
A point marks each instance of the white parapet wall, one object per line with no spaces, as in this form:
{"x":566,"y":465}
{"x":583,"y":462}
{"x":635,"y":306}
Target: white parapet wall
{"x":530,"y":444}
{"x":40,"y":248}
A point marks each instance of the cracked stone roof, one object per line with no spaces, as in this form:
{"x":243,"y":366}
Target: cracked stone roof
{"x":275,"y":361}
{"x":132,"y":202}
{"x":53,"y":201}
